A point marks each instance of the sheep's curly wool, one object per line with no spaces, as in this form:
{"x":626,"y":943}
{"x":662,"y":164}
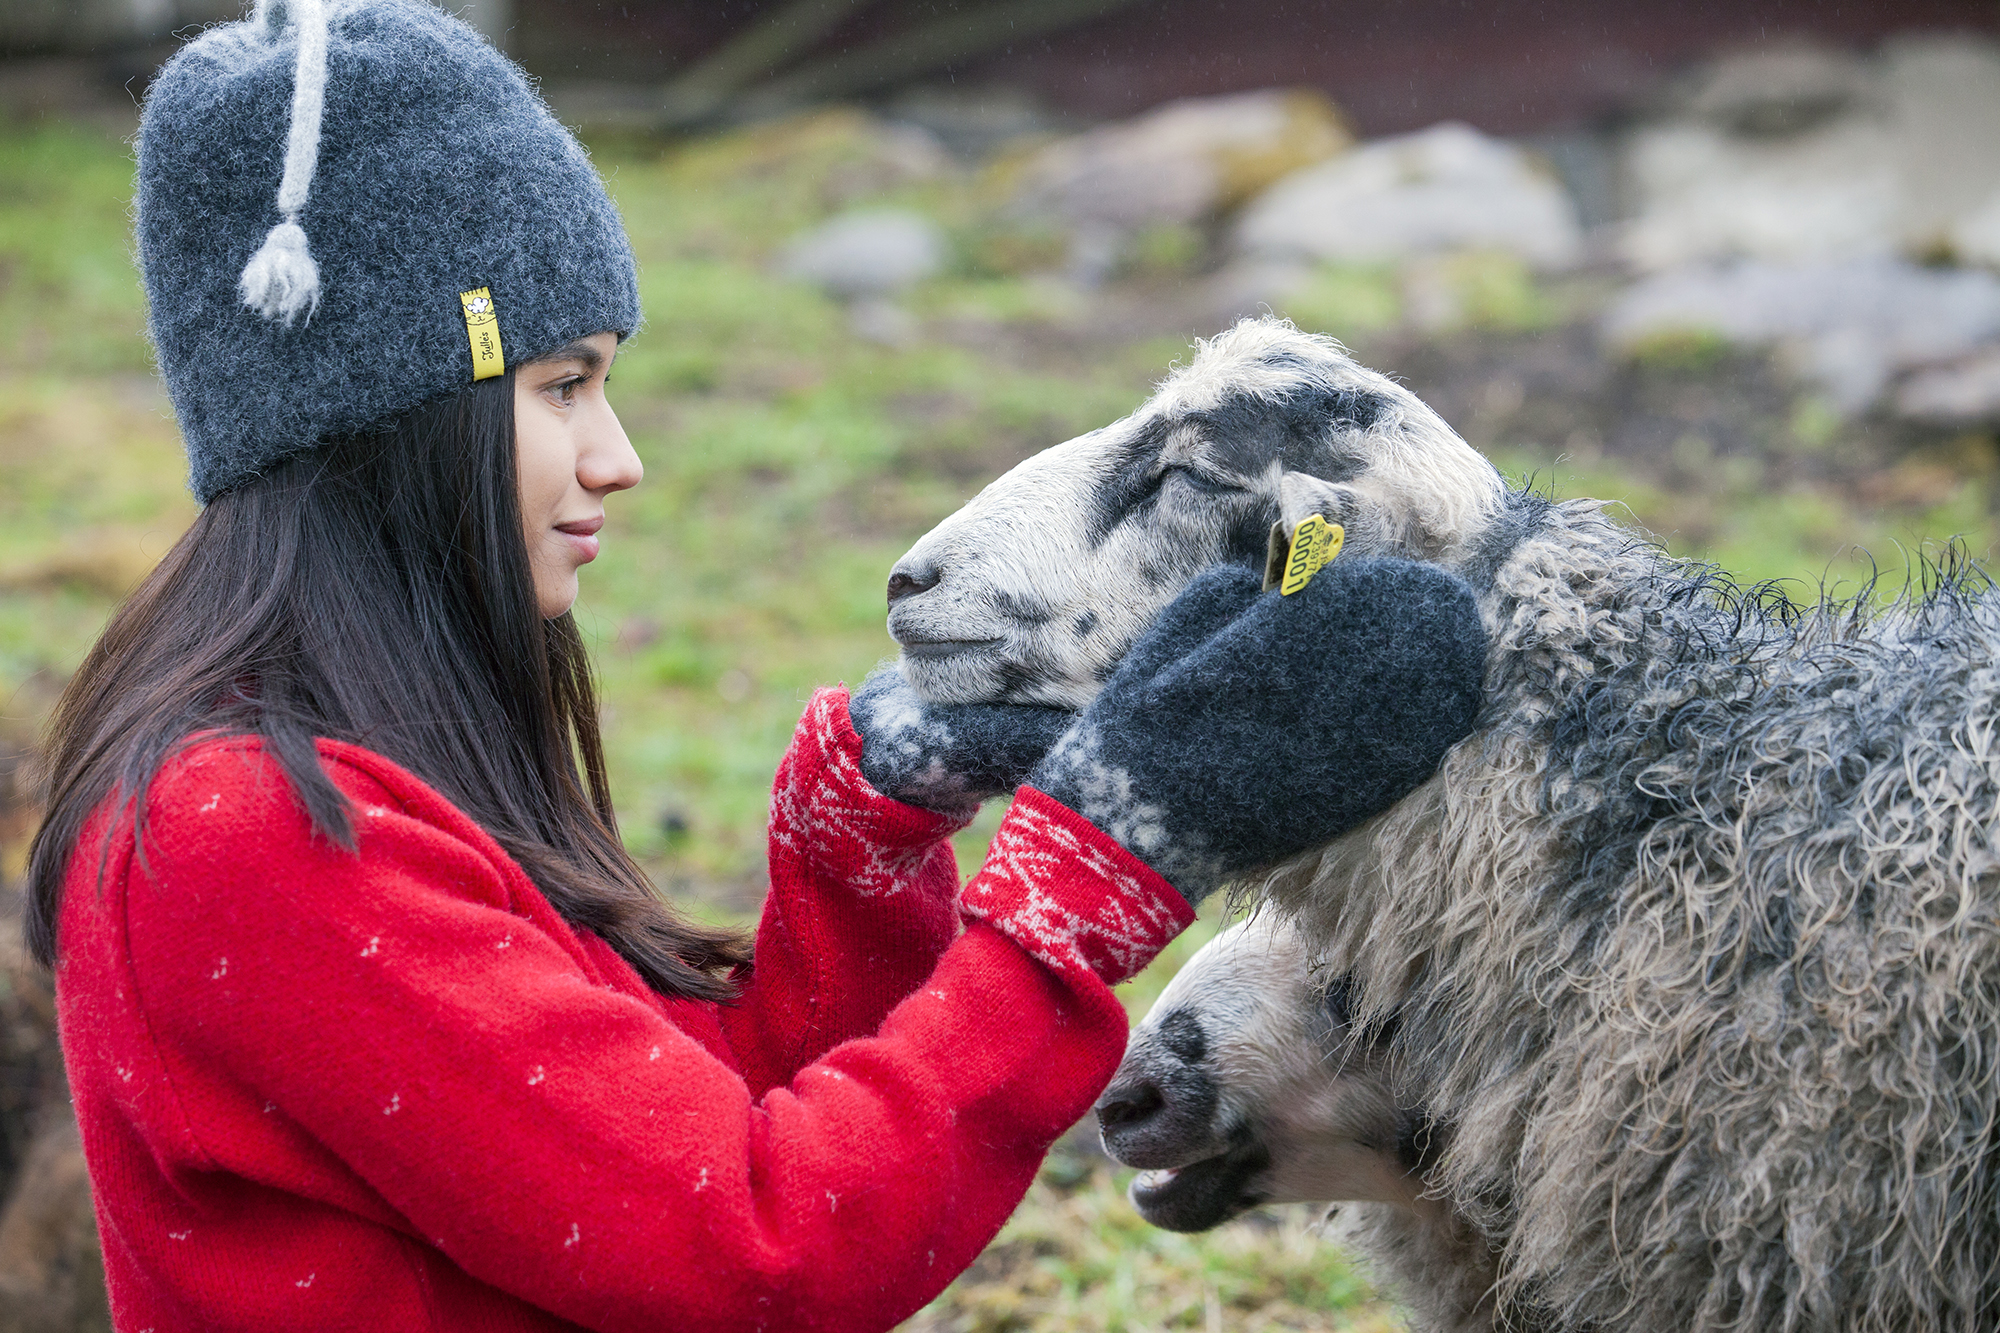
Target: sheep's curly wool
{"x":438,"y":171}
{"x":1694,"y":946}
{"x":1244,"y":726}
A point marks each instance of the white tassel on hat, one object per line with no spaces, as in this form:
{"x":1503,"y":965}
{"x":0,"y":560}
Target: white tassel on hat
{"x":281,"y":281}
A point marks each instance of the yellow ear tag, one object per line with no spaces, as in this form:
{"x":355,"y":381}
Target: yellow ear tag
{"x":482,"y":327}
{"x":1290,"y":562}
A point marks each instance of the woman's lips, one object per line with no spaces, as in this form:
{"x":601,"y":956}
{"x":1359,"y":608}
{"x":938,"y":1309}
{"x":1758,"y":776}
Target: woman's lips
{"x":582,"y":537}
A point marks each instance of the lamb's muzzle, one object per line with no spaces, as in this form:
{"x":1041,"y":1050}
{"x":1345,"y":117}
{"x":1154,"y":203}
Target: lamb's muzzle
{"x":1249,"y":1083}
{"x":1160,"y":1114}
{"x":1242,"y":1088}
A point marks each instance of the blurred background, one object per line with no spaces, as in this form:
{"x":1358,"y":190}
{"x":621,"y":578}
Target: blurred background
{"x":1730,"y":265}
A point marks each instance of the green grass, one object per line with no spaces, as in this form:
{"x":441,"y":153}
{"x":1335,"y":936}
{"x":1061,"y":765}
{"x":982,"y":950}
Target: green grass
{"x":1075,"y":1256}
{"x":788,"y":464}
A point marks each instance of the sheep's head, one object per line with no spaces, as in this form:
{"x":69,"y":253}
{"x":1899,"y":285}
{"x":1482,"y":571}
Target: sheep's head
{"x":1033,"y":591}
{"x":1240,"y":1088}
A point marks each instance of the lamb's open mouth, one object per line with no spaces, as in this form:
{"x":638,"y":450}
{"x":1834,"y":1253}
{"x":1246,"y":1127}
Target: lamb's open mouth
{"x":1202,"y":1194}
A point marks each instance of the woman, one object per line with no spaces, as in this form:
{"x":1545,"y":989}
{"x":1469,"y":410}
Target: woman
{"x":371,"y":1022}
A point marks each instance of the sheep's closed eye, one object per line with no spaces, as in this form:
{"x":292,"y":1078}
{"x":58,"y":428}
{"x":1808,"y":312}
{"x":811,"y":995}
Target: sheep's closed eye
{"x":1200,"y":481}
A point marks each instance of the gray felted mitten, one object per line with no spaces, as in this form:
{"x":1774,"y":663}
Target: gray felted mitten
{"x":1245,"y":727}
{"x":946,"y":757}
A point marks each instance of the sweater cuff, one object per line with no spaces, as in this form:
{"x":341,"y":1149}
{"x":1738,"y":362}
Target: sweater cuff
{"x":829,"y":821}
{"x":1072,"y":897}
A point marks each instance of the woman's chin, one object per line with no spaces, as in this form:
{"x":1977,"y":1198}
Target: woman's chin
{"x":556,"y":601}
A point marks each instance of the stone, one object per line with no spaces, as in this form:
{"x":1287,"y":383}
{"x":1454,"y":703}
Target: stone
{"x":843,"y":155}
{"x":1778,"y":92}
{"x":1975,"y":237}
{"x":1967,"y":392}
{"x":869,"y":253}
{"x":51,"y":1267}
{"x":1849,"y":327}
{"x":1822,"y":196}
{"x":1447,"y":188}
{"x":1179,"y":163}
{"x":973,"y":122}
{"x":878,"y":320}
{"x":1806,"y":157}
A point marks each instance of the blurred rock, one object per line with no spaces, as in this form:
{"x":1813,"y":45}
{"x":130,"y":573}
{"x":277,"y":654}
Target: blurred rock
{"x":878,"y":320}
{"x":1975,"y":238}
{"x":1944,"y":93}
{"x":1815,"y":156}
{"x":1590,"y":164}
{"x":1850,"y":327}
{"x":51,"y":1274}
{"x":872,"y":253}
{"x":1181,"y":162}
{"x":1964,"y":393}
{"x":974,"y":122}
{"x":31,"y":1073}
{"x":1701,"y":193}
{"x":1442,"y":189}
{"x":51,"y":1269}
{"x":842,"y":153}
{"x":1779,"y":93}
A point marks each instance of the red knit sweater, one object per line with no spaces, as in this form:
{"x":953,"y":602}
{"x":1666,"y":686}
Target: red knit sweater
{"x":394,"y":1090}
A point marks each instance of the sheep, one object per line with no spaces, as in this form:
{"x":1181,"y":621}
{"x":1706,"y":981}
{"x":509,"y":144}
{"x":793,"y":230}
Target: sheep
{"x":1247,"y":1084}
{"x":1692,"y":947}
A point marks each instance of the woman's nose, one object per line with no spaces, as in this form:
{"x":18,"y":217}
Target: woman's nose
{"x":608,"y":461}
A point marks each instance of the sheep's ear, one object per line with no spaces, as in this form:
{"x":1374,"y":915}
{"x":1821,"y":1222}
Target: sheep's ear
{"x":1301,"y":495}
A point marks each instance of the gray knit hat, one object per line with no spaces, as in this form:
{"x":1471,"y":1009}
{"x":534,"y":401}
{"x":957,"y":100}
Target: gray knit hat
{"x":349,"y":208}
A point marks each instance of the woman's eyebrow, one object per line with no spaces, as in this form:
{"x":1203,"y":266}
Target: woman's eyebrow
{"x":576,"y":351}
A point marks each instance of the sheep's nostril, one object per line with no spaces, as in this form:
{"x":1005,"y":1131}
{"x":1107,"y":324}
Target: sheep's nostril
{"x":1127,"y":1103}
{"x":903,"y":584}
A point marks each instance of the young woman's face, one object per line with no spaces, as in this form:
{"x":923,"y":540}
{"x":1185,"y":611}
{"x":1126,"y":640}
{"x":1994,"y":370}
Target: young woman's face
{"x":570,"y":453}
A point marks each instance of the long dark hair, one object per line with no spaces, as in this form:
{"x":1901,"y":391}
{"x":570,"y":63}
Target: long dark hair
{"x":375,"y":590}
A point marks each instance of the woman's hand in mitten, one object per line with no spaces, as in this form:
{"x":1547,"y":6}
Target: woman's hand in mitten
{"x":1245,"y":727}
{"x":946,"y":757}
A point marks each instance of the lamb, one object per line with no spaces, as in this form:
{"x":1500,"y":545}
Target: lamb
{"x":1691,"y":949}
{"x":1248,"y":1084}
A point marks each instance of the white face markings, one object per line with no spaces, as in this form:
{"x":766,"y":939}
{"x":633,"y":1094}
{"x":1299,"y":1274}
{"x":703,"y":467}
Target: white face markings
{"x":1019,"y":585}
{"x":1034,"y":589}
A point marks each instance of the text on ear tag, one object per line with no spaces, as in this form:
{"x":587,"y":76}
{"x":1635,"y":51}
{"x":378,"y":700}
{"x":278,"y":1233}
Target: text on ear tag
{"x":1291,"y":561}
{"x":482,"y":328}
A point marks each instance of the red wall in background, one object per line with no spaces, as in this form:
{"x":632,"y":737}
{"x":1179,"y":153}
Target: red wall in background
{"x":1505,"y":65}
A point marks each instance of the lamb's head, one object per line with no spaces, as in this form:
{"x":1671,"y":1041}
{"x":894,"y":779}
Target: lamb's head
{"x":1033,"y":591}
{"x":1241,"y":1087}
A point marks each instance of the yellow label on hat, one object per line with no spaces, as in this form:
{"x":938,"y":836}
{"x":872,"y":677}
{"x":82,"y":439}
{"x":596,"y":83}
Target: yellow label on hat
{"x":1315,"y":543}
{"x":482,"y":327}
